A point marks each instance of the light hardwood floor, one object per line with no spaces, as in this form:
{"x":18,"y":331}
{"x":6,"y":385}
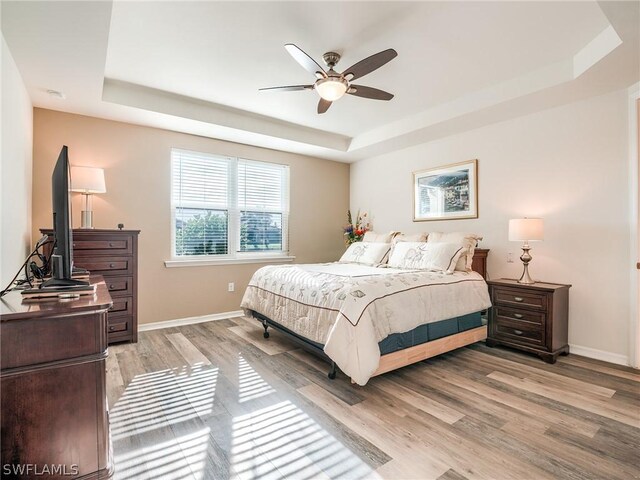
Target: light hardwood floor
{"x":216,"y":400}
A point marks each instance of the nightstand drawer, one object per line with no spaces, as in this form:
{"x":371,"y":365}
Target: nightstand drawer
{"x":519,"y":315}
{"x":518,"y":332}
{"x":519,"y":298}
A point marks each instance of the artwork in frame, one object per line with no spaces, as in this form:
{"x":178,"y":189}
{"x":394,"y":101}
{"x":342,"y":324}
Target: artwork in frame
{"x":449,"y":192}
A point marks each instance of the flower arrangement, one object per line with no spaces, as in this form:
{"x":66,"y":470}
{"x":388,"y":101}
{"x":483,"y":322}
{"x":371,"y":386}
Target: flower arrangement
{"x":355,"y":232}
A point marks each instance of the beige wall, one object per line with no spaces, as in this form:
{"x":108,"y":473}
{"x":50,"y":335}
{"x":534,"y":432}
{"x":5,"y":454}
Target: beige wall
{"x":15,"y":171}
{"x":137,"y":173}
{"x":568,"y":165}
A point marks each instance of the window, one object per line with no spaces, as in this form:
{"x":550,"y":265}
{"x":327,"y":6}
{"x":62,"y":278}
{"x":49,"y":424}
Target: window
{"x":227,"y":207}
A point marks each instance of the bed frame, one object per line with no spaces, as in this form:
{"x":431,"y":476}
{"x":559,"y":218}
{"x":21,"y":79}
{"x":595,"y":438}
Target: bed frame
{"x":400,"y":358}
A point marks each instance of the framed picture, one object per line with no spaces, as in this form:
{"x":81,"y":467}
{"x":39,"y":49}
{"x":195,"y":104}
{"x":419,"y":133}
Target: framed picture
{"x":446,"y":193}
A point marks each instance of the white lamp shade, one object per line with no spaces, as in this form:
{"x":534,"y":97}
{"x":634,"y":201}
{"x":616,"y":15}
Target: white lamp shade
{"x":87,"y":180}
{"x":526,"y":229}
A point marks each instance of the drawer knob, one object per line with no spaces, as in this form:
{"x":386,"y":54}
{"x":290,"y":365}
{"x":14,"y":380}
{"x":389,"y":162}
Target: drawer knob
{"x":112,"y":328}
{"x":518,"y":332}
{"x":518,"y":299}
{"x":111,"y":244}
{"x":517,"y":315}
{"x":112,"y":286}
{"x":111,"y":265}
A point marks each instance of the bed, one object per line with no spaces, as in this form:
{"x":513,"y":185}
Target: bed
{"x":369,"y":320}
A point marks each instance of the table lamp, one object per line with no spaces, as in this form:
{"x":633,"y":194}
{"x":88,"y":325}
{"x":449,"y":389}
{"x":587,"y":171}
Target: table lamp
{"x":526,"y":230}
{"x":87,"y":181}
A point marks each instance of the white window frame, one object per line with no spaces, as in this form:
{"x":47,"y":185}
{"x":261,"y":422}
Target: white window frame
{"x":234,"y":255}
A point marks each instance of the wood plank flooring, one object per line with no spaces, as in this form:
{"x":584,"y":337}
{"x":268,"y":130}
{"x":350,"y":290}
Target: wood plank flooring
{"x":217,"y":401}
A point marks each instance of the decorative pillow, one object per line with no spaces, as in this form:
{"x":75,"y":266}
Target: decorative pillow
{"x":439,"y":257}
{"x":372,"y":237}
{"x":466,"y":240}
{"x":414,"y":237}
{"x":366,"y":253}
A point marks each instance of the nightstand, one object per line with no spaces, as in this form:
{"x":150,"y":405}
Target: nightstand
{"x":532,"y":318}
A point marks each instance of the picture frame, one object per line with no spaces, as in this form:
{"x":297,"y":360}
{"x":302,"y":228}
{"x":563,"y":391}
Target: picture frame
{"x":448,"y":192}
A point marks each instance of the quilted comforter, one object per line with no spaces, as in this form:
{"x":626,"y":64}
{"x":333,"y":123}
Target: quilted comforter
{"x":349,"y":308}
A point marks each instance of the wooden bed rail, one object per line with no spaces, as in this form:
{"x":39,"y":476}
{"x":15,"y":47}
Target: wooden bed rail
{"x":401,"y":358}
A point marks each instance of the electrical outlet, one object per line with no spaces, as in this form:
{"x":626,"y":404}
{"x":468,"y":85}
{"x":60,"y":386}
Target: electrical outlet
{"x":232,"y":287}
{"x":510,"y":257}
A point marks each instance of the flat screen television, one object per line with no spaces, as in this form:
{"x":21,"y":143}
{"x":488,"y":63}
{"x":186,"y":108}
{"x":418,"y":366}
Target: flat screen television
{"x":62,"y":258}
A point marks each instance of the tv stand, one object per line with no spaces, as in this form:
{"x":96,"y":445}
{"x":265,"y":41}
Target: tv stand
{"x":66,"y":283}
{"x":53,"y":409}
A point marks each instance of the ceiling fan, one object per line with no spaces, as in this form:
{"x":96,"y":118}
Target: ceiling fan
{"x":332,"y":85}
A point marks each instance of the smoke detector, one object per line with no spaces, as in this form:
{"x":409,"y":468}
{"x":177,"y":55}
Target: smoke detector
{"x":57,"y":94}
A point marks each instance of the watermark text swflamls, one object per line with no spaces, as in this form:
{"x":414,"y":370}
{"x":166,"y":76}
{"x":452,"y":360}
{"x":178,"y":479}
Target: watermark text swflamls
{"x":37,"y":470}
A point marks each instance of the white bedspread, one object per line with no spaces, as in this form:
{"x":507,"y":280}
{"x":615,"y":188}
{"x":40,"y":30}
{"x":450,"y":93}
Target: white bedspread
{"x":350,"y":308}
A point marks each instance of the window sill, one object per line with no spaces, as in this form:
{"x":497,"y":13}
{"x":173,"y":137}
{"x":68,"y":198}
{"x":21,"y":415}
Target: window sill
{"x":203,"y":262}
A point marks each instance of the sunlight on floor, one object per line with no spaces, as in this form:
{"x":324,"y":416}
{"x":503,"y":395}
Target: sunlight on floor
{"x":168,"y":424}
{"x":251,"y":385}
{"x":142,"y":417}
{"x":282,"y":440}
{"x":163,"y":397}
{"x":177,"y":458}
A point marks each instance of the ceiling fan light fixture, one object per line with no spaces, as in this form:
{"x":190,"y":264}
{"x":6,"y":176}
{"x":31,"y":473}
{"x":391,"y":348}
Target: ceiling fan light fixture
{"x":332,"y":88}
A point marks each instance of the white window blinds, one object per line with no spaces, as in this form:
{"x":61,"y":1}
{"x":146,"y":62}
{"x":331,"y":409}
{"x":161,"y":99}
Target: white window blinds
{"x":263,"y":205}
{"x":200,"y":201}
{"x":228,"y":206}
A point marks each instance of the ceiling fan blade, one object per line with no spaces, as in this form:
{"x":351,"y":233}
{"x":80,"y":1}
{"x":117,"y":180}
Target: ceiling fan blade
{"x":369,"y":92}
{"x":369,"y":64}
{"x":288,"y":88}
{"x":323,"y":105}
{"x":305,"y":60}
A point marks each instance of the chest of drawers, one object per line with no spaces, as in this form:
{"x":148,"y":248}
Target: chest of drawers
{"x":114,"y":255}
{"x":533,"y":318}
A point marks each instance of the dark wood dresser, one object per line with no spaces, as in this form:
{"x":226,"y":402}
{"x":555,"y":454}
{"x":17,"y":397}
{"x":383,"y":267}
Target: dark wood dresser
{"x":54,"y":412}
{"x":533,"y":318}
{"x":114,"y":255}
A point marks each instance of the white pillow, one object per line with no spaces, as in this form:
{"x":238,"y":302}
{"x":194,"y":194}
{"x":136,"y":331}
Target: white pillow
{"x":379,"y":237}
{"x":439,"y":257}
{"x":413,"y":237}
{"x":402,"y":237}
{"x":366,"y":253}
{"x":466,"y":240}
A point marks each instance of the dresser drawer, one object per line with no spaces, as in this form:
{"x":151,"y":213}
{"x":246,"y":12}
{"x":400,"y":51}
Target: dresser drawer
{"x":517,"y":331}
{"x":31,"y":341}
{"x":525,"y":317}
{"x":106,"y":266}
{"x":121,"y":305}
{"x":519,"y":298}
{"x":96,"y":245}
{"x":119,"y":286}
{"x":118,"y":325}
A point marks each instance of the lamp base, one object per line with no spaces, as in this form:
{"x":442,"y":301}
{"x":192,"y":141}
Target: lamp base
{"x":87,"y":219}
{"x":525,"y":279}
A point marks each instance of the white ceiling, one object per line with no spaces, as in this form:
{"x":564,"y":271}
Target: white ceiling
{"x":197,"y":66}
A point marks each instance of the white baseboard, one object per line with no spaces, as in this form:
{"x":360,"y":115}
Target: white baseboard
{"x":600,"y":355}
{"x":143,"y":327}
